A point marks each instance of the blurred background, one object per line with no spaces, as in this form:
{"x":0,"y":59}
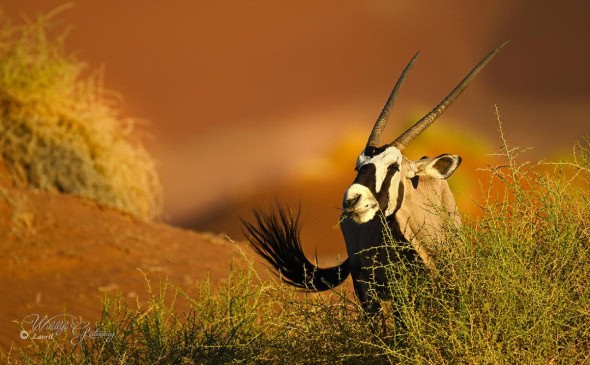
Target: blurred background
{"x":248,"y":102}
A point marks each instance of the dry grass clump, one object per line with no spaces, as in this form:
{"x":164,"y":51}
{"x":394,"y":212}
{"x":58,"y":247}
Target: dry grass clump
{"x":61,"y":131}
{"x":510,"y":287}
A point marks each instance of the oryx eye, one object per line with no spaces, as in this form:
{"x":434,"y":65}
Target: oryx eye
{"x":393,"y":167}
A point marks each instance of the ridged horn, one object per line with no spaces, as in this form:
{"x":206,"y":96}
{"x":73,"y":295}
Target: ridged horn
{"x":375,"y":137}
{"x":408,"y":136}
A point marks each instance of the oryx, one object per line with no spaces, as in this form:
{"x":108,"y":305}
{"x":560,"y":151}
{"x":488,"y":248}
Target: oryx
{"x":389,"y":194}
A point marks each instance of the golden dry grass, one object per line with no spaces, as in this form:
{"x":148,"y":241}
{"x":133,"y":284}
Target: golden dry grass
{"x":60,"y":130}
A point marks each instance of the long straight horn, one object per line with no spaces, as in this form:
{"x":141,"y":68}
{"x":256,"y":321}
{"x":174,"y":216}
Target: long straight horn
{"x":375,"y":137}
{"x":408,"y":136}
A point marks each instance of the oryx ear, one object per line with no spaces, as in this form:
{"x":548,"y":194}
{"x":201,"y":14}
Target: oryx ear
{"x":439,"y":167}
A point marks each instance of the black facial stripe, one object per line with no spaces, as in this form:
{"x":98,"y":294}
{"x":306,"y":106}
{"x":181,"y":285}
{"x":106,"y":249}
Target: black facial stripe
{"x":383,"y":196}
{"x":374,"y":151}
{"x":393,"y":166}
{"x":400,"y":197}
{"x":367,"y":176}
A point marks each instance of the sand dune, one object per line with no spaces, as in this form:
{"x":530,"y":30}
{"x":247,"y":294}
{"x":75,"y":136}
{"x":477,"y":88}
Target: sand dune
{"x":63,"y":254}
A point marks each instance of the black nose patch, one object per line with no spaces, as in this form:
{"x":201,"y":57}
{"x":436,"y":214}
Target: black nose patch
{"x":350,"y":203}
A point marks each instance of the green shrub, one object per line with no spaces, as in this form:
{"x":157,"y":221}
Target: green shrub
{"x":510,"y":287}
{"x":61,"y":131}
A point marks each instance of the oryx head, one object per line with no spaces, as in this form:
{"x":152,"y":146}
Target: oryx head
{"x":384,"y":172}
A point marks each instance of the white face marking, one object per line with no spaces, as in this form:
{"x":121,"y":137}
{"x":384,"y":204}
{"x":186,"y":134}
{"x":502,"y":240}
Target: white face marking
{"x":367,"y":205}
{"x":382,"y":162}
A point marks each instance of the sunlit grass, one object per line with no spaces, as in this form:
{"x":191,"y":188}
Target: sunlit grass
{"x":509,"y":287}
{"x":60,"y":130}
